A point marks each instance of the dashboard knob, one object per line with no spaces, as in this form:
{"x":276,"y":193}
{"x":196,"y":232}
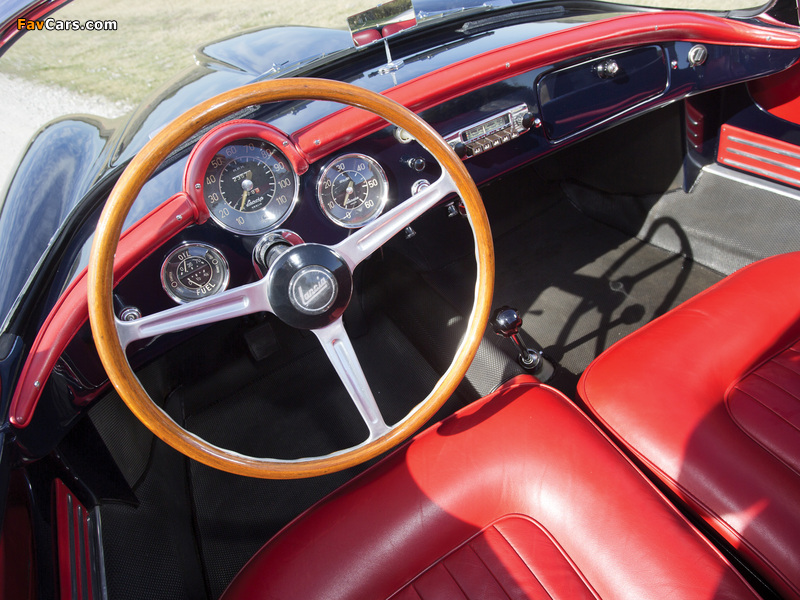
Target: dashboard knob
{"x":697,"y":55}
{"x":415,"y":163}
{"x":607,"y":69}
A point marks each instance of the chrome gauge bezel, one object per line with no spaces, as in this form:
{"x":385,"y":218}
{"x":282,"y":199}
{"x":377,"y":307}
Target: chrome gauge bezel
{"x":338,"y":214}
{"x":222,"y":264}
{"x":258,"y":221}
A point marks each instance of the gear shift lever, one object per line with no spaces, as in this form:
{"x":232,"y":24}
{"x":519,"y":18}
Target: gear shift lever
{"x":506,"y":322}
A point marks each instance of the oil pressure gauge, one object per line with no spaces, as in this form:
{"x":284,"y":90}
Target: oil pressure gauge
{"x":352,"y":190}
{"x":193,"y":271}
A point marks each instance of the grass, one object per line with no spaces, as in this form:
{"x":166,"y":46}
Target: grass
{"x":156,"y":39}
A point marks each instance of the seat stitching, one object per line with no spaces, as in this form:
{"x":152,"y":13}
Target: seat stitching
{"x":561,"y":551}
{"x":767,"y":407}
{"x":416,"y":591}
{"x":758,"y":373}
{"x":488,"y":568}
{"x":458,"y":585}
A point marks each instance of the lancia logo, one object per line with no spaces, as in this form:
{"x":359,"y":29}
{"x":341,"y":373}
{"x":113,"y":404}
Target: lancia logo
{"x":312,"y":290}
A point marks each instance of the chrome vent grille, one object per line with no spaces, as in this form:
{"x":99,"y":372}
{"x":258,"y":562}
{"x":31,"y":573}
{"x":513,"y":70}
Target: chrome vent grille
{"x":760,"y":155}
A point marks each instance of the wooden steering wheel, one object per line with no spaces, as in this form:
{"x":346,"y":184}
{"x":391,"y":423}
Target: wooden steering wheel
{"x":112,"y":335}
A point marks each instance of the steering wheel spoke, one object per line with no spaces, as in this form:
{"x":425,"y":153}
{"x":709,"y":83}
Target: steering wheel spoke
{"x":340,"y":352}
{"x":240,"y":301}
{"x":361,"y":244}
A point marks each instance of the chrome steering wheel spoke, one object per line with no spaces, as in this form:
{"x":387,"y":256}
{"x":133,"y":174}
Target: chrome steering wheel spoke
{"x":360,"y":245}
{"x":237,"y":302}
{"x":340,"y":352}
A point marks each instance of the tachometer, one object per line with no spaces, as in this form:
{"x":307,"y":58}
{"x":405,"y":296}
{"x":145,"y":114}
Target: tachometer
{"x":352,"y":190}
{"x":249,"y":186}
{"x":193,"y":271}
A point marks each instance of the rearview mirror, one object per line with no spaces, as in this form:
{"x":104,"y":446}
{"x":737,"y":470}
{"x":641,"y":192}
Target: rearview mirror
{"x":382,"y":21}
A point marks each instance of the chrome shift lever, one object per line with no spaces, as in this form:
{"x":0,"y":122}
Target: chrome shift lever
{"x":506,"y":321}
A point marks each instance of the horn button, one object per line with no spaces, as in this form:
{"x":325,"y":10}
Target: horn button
{"x":309,"y":286}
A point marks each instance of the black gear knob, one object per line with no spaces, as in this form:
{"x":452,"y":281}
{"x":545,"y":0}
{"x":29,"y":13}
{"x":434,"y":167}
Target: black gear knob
{"x":506,"y":321}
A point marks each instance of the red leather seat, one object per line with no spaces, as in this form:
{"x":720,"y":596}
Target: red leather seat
{"x":366,"y":36}
{"x":393,"y":28}
{"x":707,"y":397}
{"x":517,"y":496}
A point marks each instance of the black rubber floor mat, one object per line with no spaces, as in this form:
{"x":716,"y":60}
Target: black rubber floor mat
{"x":580,"y":285}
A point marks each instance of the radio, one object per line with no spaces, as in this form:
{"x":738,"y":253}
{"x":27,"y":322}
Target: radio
{"x":489,"y":133}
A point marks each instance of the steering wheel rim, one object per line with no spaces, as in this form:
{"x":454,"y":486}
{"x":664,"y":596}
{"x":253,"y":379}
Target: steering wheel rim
{"x":109,"y":228}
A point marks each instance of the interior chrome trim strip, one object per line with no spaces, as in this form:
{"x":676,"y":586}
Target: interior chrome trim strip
{"x":764,"y":172}
{"x":719,"y":170}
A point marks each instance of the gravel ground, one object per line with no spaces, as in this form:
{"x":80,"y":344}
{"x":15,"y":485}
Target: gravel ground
{"x":26,"y":106}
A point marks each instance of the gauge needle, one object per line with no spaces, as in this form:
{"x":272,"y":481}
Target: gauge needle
{"x":348,"y":192}
{"x":247,"y":185}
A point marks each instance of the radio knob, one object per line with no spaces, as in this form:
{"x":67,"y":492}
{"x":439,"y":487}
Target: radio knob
{"x":460,"y":149}
{"x":527,"y":120}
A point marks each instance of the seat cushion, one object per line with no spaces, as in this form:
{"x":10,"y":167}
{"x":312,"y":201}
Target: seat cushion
{"x":706,"y":397}
{"x":516,"y":496}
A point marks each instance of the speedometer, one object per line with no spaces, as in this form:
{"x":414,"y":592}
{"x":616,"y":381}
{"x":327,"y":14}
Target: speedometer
{"x":352,"y":190}
{"x":249,"y":186}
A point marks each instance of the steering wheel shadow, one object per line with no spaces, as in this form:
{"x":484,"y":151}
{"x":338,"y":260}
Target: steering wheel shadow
{"x":622,"y":296}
